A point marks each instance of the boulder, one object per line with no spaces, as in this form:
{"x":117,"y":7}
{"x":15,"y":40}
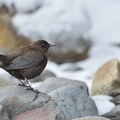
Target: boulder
{"x":107,"y":79}
{"x":74,"y":102}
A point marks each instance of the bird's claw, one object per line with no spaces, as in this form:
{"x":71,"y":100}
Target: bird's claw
{"x":21,"y":84}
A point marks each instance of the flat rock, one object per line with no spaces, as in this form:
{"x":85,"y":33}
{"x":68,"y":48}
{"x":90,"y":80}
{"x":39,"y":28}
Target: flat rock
{"x":19,"y":103}
{"x":53,"y":83}
{"x":106,"y":80}
{"x":74,"y":102}
{"x":92,"y":118}
{"x":4,"y":82}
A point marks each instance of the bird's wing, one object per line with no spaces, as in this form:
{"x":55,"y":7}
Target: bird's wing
{"x":23,"y":62}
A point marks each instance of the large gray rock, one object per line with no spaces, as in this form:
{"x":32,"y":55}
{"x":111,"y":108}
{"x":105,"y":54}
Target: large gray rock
{"x":19,"y":103}
{"x":92,"y":118}
{"x":53,"y":83}
{"x":74,"y":102}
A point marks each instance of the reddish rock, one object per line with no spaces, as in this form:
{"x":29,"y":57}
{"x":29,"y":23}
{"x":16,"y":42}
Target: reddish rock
{"x":40,"y":113}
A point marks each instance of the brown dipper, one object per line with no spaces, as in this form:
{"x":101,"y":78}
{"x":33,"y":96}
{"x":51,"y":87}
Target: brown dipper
{"x":27,"y":62}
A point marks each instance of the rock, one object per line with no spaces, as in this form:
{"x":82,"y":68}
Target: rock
{"x":19,"y":103}
{"x":63,"y":53}
{"x":44,"y":75}
{"x":74,"y":102}
{"x":116,"y":100}
{"x":3,"y":114}
{"x":116,"y":109}
{"x":53,"y":83}
{"x":106,"y":80}
{"x":9,"y":39}
{"x":4,"y":82}
{"x":114,"y":114}
{"x":92,"y":118}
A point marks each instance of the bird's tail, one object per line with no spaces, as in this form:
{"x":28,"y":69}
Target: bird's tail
{"x":3,"y":60}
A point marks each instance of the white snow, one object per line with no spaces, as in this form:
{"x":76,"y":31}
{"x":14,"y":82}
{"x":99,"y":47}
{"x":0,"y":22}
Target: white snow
{"x":103,"y":104}
{"x":55,"y":20}
{"x":21,"y":5}
{"x":105,"y":20}
{"x":98,"y":20}
{"x":60,"y":20}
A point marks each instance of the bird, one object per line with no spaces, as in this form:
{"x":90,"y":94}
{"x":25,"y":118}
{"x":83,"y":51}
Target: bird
{"x":27,"y":62}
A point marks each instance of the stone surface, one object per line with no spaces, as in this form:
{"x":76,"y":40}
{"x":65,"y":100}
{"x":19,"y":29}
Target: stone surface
{"x":92,"y":118}
{"x":19,"y":103}
{"x":116,"y":100}
{"x":116,"y":109}
{"x":53,"y":83}
{"x":74,"y":102}
{"x":107,"y":79}
{"x":3,"y":114}
{"x":4,"y":82}
{"x":44,"y":75}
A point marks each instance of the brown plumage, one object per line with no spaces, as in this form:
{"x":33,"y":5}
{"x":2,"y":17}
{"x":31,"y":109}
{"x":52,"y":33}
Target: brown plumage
{"x":27,"y":62}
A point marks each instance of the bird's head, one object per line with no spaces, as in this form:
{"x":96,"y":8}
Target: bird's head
{"x":43,"y":45}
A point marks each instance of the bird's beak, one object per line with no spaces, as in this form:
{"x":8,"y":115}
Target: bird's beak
{"x":52,"y":45}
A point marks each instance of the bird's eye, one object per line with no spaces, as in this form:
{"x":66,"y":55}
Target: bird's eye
{"x":43,"y":45}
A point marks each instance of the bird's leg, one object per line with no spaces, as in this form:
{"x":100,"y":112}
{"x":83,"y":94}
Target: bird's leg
{"x":29,"y":87}
{"x":21,"y":83}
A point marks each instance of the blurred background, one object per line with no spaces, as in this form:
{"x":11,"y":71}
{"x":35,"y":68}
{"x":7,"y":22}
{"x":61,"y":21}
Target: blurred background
{"x":86,"y":32}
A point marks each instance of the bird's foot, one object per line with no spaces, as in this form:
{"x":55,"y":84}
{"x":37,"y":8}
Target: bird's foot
{"x":35,"y":90}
